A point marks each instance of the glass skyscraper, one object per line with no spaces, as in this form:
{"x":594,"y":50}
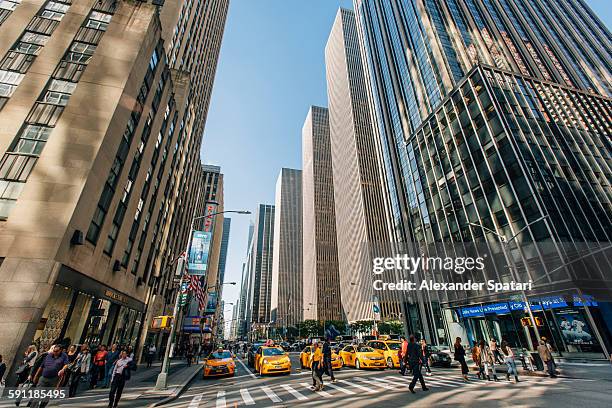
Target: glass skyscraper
{"x":494,"y":122}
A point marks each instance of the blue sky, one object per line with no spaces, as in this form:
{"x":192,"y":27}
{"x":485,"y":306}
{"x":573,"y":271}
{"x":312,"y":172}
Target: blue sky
{"x":271,"y":69}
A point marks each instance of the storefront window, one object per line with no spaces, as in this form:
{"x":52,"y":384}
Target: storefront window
{"x":53,"y":318}
{"x":96,"y":324}
{"x":78,"y":317}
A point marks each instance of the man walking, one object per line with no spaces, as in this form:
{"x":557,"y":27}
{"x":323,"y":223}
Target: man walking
{"x":415,"y":359}
{"x":120,"y":373}
{"x":111,"y":357}
{"x":52,"y":368}
{"x":327,"y":360}
{"x":547,"y":358}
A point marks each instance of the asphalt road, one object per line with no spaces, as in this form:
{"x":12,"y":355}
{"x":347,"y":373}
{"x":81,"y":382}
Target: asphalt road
{"x":590,"y":386}
{"x":361,"y":388}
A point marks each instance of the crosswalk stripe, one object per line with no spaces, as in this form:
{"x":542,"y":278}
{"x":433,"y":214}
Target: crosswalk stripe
{"x":293,"y":392}
{"x":344,"y":390}
{"x":451,"y":383}
{"x":377,"y":384}
{"x":361,"y":387}
{"x":394,"y":382}
{"x":195,"y":402}
{"x":271,"y":394}
{"x":221,"y":399}
{"x":246,"y":397}
{"x":321,"y":392}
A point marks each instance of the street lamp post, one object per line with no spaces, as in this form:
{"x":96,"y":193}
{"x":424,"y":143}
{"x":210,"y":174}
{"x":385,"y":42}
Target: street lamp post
{"x":505,"y":243}
{"x":162,"y":378}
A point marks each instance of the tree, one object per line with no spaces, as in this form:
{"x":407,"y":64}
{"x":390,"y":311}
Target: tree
{"x":362,"y":326}
{"x":390,"y":327}
{"x":310,"y":328}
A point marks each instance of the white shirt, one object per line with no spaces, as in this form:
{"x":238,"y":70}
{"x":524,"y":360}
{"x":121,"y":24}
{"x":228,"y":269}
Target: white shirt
{"x":120,"y":365}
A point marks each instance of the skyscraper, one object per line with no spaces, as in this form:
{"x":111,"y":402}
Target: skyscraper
{"x":493,"y":118}
{"x":227,"y":224}
{"x":321,"y":279}
{"x":360,"y":211}
{"x":244,"y":302}
{"x":262,"y":252}
{"x":287,"y":279}
{"x":100,"y":162}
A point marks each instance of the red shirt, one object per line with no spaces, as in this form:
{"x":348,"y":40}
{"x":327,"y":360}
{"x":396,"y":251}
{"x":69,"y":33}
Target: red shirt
{"x":100,"y":358}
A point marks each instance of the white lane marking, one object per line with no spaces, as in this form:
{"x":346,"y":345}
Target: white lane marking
{"x":271,"y":394}
{"x":377,"y":384}
{"x":247,"y":369}
{"x":296,"y":394}
{"x":195,"y":402}
{"x":397,"y":382}
{"x":344,"y":390}
{"x":449,"y":383}
{"x":246,"y":397}
{"x":221,"y":399}
{"x":361,"y":387}
{"x":321,"y":392}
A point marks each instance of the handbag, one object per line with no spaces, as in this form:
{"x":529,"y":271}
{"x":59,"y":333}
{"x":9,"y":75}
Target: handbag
{"x":21,"y":369}
{"x":25,"y":386}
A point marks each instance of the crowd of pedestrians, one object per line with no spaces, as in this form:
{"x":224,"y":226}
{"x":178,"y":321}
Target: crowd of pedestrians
{"x":66,"y":365}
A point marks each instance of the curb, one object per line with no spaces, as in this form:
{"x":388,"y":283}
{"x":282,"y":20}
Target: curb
{"x":179,"y":390}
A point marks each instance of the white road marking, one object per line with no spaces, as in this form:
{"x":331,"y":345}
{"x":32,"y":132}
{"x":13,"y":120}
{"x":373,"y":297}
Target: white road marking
{"x":397,"y":382}
{"x":344,"y":390}
{"x":361,"y":387}
{"x":221,"y":399}
{"x":321,"y":392}
{"x":247,"y":369}
{"x":246,"y":397}
{"x":271,"y":394}
{"x":195,"y":402}
{"x":293,"y":392}
{"x":377,"y":384}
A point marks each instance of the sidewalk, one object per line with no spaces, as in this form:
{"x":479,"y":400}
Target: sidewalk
{"x":141,"y":386}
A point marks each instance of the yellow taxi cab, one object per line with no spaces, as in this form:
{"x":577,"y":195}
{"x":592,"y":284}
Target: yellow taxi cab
{"x":389,"y":349}
{"x":272,"y":360}
{"x":219,"y":363}
{"x":362,"y":357}
{"x":305,"y":359}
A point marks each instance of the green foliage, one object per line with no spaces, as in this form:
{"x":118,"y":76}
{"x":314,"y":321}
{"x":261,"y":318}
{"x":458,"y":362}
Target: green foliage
{"x":310,"y":328}
{"x":362,"y":326}
{"x":390,"y":327}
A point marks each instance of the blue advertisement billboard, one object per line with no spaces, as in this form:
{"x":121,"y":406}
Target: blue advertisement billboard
{"x":211,"y":304}
{"x":198,"y":253}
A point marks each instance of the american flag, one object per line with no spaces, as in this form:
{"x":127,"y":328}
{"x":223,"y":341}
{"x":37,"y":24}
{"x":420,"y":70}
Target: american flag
{"x":199,"y":290}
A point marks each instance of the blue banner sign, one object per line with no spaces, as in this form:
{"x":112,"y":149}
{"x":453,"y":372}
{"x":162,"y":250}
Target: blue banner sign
{"x":198,"y":253}
{"x":496,"y":308}
{"x":472,"y":311}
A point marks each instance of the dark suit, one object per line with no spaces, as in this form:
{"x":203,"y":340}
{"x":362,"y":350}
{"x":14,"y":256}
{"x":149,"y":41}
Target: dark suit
{"x":415,"y":361}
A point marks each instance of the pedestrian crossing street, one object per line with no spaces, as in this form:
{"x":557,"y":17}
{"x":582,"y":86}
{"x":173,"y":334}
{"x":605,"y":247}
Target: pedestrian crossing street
{"x":357,"y":386}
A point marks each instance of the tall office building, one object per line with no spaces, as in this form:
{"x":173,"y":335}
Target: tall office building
{"x":100,"y":162}
{"x":493,"y":118}
{"x":321,"y":289}
{"x":260,"y":268}
{"x":244,"y":302}
{"x":210,"y":203}
{"x":227,"y":225}
{"x":361,"y":215}
{"x":287,"y":279}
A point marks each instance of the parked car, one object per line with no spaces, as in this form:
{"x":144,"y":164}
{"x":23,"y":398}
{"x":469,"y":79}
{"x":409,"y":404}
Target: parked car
{"x":286,"y":346}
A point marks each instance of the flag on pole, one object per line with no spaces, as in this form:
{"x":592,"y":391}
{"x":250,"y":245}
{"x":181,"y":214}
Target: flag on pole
{"x":199,"y":290}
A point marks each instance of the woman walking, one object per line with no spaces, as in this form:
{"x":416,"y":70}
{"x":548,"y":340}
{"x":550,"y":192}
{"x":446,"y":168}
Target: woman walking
{"x":478,"y":358}
{"x":509,"y":360}
{"x":460,"y":357}
{"x":489,"y":362}
{"x":23,"y":371}
{"x":78,"y":369}
{"x":425,"y":353}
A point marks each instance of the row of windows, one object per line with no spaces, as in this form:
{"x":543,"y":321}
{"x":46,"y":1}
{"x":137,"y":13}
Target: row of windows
{"x":22,"y":54}
{"x":19,"y":160}
{"x":6,"y":8}
{"x":108,"y":192}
